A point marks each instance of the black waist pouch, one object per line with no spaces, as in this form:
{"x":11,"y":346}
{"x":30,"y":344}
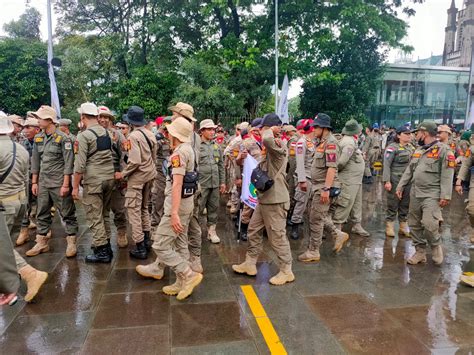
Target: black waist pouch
{"x":261,"y":180}
{"x":190,"y":184}
{"x":334,"y":191}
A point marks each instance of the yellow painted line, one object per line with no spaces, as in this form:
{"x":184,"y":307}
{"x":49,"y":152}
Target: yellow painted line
{"x":263,"y":322}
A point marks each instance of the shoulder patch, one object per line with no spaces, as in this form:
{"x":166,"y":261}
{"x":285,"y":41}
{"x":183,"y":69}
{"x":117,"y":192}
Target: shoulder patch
{"x":58,"y":139}
{"x":76,"y":147}
{"x":468,"y":153}
{"x":67,"y":145}
{"x":175,"y":161}
{"x":331,"y":146}
{"x":331,"y":157}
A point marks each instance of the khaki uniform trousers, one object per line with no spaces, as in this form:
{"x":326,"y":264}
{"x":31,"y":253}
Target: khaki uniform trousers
{"x":14,"y":212}
{"x":136,"y":202}
{"x":273,"y":219}
{"x":171,"y":249}
{"x":470,"y":204}
{"x":246,"y":215}
{"x":210,"y":200}
{"x":158,"y":198}
{"x":117,"y":205}
{"x":9,"y":280}
{"x":194,"y":228}
{"x":349,"y":203}
{"x":301,"y":201}
{"x":49,"y":197}
{"x":396,"y":206}
{"x":423,"y":219}
{"x":30,"y":209}
{"x":319,"y":219}
{"x":96,"y":201}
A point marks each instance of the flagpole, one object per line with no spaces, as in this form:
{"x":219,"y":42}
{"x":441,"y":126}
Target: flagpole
{"x":276,"y":56}
{"x":52,"y":81}
{"x":469,"y":84}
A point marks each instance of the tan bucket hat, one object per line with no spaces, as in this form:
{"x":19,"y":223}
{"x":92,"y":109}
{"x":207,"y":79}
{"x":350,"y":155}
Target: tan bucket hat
{"x":184,"y":110}
{"x":444,"y":128}
{"x":105,"y":111}
{"x":88,"y":108}
{"x":244,"y":125}
{"x":16,"y":119}
{"x":46,"y":113}
{"x":6,"y":126}
{"x":181,"y":128}
{"x":31,"y":121}
{"x":207,"y":123}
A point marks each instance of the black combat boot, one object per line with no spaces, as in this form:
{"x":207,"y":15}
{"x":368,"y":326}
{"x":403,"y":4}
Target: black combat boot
{"x":243,"y":231}
{"x":109,"y":249}
{"x":147,"y":240}
{"x":140,"y":251}
{"x":295,"y":231}
{"x":101,"y":255}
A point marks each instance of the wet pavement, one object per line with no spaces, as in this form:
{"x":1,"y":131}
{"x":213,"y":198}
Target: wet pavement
{"x":363,"y":300}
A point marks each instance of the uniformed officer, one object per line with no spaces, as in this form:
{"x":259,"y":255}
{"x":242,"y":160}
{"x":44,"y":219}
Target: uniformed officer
{"x":396,"y":159}
{"x":52,"y":165}
{"x":272,"y":208}
{"x":162,"y":156}
{"x":18,"y":127}
{"x":350,"y":172}
{"x":293,"y":137}
{"x":445,"y":136}
{"x":251,"y":144}
{"x":304,"y":153}
{"x":371,"y":150}
{"x":323,"y":178}
{"x":14,"y":176}
{"x":30,"y":130}
{"x":140,"y":173}
{"x":117,"y":200}
{"x":64,"y":125}
{"x":465,"y":174}
{"x":94,"y":166}
{"x":430,"y":171}
{"x":170,"y":237}
{"x":211,"y":176}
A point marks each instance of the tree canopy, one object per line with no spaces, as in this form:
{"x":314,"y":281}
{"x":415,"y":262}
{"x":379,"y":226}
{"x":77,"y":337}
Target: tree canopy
{"x":217,"y":55}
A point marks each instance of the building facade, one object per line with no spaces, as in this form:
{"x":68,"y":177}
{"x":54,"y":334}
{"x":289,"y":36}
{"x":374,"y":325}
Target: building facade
{"x":459,"y":35}
{"x":414,"y":93}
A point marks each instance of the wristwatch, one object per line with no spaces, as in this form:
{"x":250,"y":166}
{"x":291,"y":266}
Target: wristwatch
{"x":326,"y":188}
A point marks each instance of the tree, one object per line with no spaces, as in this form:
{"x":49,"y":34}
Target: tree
{"x":25,"y":86}
{"x":26,"y":27}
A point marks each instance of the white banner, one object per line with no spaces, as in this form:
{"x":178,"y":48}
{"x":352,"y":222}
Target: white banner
{"x":470,"y":118}
{"x":249,"y":192}
{"x":283,"y":102}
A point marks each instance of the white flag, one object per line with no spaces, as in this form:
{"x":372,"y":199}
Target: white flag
{"x":52,"y":81}
{"x":470,"y":118}
{"x":249,"y":192}
{"x":283,"y":102}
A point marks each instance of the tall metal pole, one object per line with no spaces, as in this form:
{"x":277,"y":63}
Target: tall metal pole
{"x":469,"y":85}
{"x":276,"y":56}
{"x":52,"y":81}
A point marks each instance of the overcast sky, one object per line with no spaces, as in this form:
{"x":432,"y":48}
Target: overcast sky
{"x":426,"y":32}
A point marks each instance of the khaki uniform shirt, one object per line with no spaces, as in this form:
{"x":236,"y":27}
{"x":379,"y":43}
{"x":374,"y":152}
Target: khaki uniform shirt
{"x":141,"y":158}
{"x":52,"y":158}
{"x":253,"y":147}
{"x":305,"y":149}
{"x":162,"y":155}
{"x":97,"y":167}
{"x":17,"y":180}
{"x":181,"y":162}
{"x":211,"y":165}
{"x":431,"y":172}
{"x":325,"y":157}
{"x":274,"y":161}
{"x":118,"y":139}
{"x":350,"y":164}
{"x":291,"y":144}
{"x":467,"y":163}
{"x":396,"y":160}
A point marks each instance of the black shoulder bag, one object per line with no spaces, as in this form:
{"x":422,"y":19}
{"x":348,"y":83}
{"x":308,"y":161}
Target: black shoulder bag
{"x":190,"y":181}
{"x":261,"y":180}
{"x":102,"y":142}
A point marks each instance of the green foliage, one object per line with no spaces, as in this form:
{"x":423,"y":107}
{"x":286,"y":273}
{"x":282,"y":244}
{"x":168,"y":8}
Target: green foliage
{"x":26,"y":27}
{"x":25,"y":86}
